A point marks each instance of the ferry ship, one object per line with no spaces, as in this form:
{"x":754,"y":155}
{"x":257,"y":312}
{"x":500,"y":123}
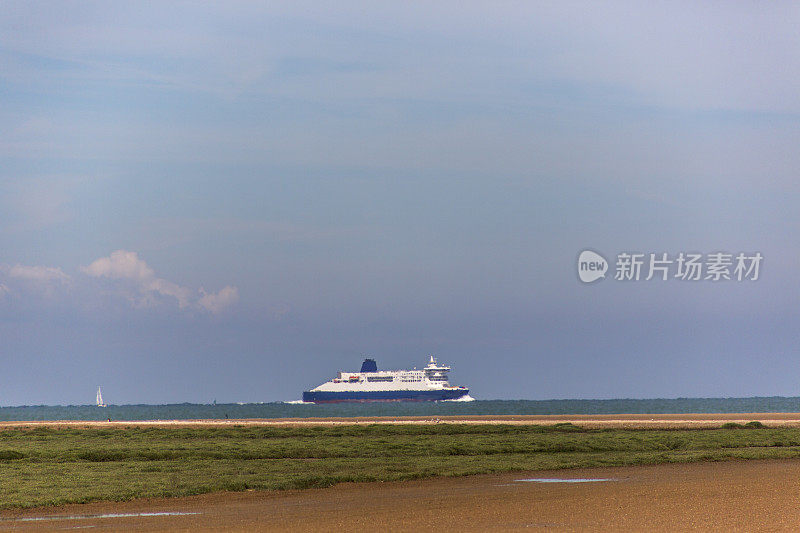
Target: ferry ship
{"x":373,"y":385}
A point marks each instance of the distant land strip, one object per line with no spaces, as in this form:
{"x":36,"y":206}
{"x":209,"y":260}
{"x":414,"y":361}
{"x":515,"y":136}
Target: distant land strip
{"x":610,"y":421}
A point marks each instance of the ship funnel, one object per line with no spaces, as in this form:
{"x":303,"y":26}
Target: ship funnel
{"x":369,"y":365}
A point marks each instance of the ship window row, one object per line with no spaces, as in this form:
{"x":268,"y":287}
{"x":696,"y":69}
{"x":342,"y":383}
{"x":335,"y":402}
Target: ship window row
{"x":380,"y":378}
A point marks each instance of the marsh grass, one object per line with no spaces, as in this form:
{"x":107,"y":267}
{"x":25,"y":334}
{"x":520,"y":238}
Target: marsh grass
{"x":50,"y":466}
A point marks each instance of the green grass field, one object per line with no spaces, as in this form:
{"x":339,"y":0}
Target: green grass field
{"x":48,"y":466}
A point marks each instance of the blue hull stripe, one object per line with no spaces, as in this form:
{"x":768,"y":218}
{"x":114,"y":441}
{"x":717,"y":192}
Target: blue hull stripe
{"x":383,"y":396}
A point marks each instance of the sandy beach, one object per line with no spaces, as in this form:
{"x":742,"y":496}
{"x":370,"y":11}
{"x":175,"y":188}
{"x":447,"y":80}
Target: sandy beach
{"x":627,"y":421}
{"x":724,"y":496}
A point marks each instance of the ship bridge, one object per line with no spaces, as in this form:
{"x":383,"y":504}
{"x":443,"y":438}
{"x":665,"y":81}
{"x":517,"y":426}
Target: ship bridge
{"x":434,"y":372}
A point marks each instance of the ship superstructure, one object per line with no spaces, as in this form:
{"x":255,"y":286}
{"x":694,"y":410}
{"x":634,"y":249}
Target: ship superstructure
{"x":370,"y":384}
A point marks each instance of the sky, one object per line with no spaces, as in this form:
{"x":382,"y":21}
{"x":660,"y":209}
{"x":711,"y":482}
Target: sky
{"x":234,"y":201}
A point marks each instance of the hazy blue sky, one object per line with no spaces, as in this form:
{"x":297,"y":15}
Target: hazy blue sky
{"x":235,"y":201}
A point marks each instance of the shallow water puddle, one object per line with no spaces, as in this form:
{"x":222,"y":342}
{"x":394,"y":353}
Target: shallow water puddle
{"x":96,"y":516}
{"x":560,"y":480}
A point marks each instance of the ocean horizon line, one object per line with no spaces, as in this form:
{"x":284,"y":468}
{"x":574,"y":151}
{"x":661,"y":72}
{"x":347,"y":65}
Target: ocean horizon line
{"x":282,"y":409}
{"x":494,"y":400}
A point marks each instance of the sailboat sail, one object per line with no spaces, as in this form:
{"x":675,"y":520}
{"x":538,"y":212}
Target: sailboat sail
{"x":100,"y":402}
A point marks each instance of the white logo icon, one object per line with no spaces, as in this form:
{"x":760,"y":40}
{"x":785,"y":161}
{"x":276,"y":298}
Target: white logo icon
{"x":591,"y":266}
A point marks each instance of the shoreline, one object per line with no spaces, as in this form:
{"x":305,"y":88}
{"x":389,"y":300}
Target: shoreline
{"x":610,"y":421}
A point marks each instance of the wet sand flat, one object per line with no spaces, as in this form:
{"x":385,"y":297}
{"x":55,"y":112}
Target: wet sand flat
{"x":625,"y":421}
{"x":722,"y":496}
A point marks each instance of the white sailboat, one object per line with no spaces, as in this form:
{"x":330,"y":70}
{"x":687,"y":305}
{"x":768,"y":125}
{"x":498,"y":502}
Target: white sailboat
{"x":100,"y":402}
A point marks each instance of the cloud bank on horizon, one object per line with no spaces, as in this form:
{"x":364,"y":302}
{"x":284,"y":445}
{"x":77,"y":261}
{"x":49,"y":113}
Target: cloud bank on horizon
{"x":134,"y":280}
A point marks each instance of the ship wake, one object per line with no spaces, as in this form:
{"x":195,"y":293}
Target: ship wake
{"x":465,"y":398}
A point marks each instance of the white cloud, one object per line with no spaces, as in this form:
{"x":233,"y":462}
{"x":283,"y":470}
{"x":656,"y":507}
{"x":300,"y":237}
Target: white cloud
{"x":32,"y":280}
{"x":217,"y":302}
{"x":167,"y":288}
{"x":38,"y":274}
{"x":120,"y":265}
{"x":126,"y":266}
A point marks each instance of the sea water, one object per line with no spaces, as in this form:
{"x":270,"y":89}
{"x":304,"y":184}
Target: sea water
{"x":188,"y":411}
